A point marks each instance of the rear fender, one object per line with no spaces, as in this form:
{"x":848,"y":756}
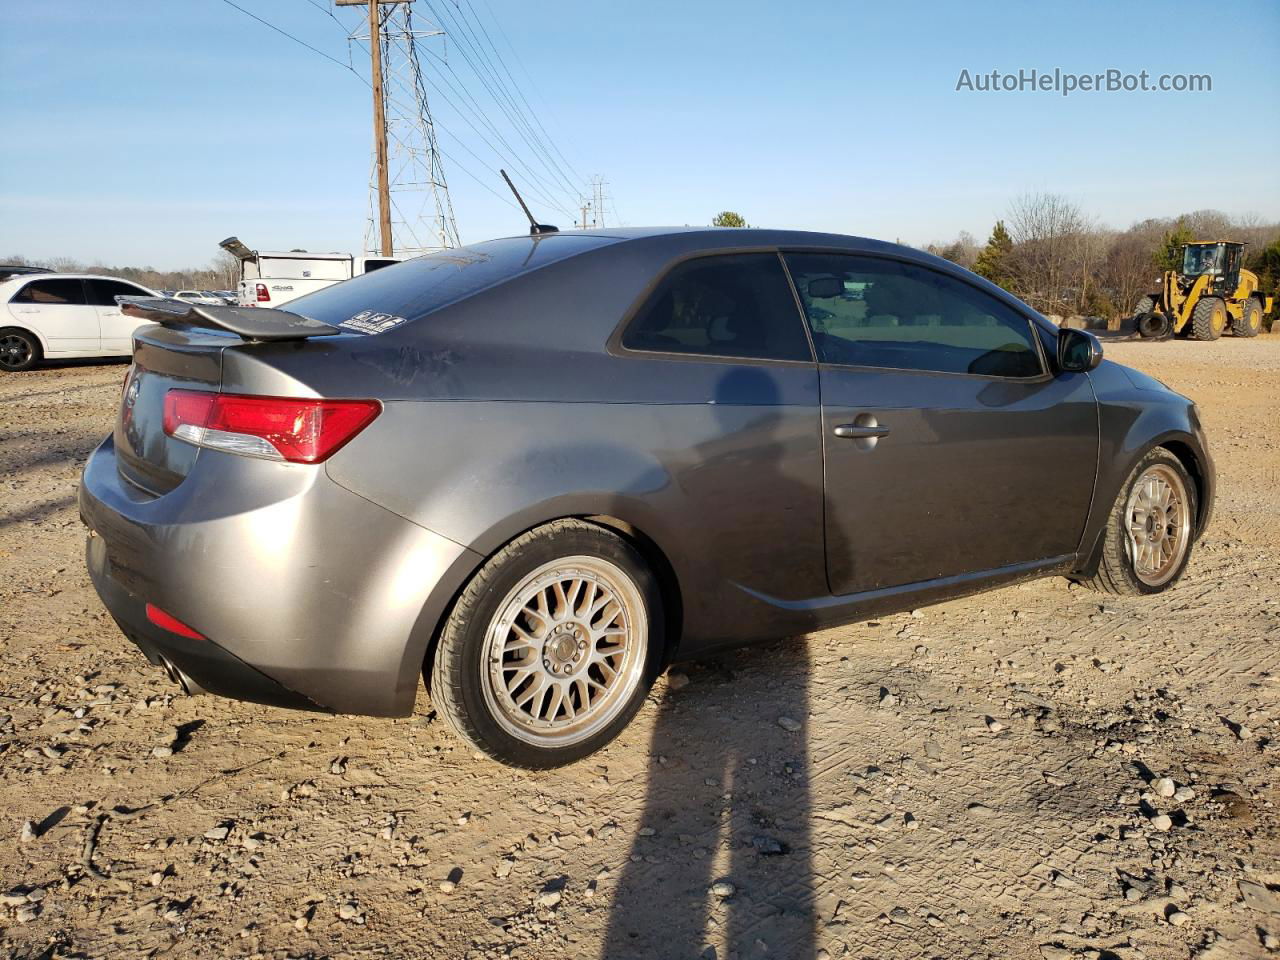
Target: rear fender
{"x":22,"y":328}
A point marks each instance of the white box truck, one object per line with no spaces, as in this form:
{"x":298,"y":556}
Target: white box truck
{"x":271,"y":278}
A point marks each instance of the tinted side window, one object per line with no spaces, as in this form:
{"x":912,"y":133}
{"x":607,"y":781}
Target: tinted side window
{"x":103,"y":293}
{"x":730,"y":306}
{"x":63,"y":290}
{"x":879,"y":313}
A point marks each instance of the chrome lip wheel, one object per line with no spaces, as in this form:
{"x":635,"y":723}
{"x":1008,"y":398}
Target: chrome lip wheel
{"x":565,"y":651}
{"x":14,"y":351}
{"x":1158,"y":517}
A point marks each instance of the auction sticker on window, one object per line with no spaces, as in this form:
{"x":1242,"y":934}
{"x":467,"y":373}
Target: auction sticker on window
{"x":370,"y":321}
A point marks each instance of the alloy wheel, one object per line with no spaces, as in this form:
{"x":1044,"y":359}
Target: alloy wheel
{"x":1158,"y":524}
{"x":565,"y":652}
{"x":15,"y":351}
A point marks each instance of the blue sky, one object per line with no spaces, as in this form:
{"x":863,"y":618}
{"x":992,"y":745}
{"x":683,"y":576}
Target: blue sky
{"x":144,"y":132}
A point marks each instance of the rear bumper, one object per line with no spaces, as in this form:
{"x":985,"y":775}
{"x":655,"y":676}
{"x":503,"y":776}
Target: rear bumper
{"x":311,"y":596}
{"x":199,"y":666}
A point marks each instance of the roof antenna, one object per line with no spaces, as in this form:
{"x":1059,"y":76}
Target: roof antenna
{"x":535,"y":228}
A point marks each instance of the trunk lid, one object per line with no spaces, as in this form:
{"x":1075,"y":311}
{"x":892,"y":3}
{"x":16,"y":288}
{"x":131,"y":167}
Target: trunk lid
{"x":163,"y":359}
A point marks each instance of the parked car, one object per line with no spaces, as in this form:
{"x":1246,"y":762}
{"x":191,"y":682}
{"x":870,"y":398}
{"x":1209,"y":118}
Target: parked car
{"x":63,"y":315}
{"x":198,"y":296}
{"x":8,"y":270}
{"x":537,"y":470}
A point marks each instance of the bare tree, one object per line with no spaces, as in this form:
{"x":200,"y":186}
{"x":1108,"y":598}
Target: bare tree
{"x":963,"y":250}
{"x":226,"y":270}
{"x":1046,"y":230}
{"x":1127,"y":273}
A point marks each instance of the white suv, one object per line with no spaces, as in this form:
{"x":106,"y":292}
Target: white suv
{"x":57,"y":315}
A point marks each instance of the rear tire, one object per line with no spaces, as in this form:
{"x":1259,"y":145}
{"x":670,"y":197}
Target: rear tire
{"x":19,"y":350}
{"x":550,"y":649}
{"x":1250,"y":322}
{"x":1146,"y":305}
{"x":1146,"y":543}
{"x":1208,"y":319}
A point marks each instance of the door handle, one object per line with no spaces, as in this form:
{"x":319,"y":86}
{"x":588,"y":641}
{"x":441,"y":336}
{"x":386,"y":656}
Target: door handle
{"x":853,"y":431}
{"x":865,"y":431}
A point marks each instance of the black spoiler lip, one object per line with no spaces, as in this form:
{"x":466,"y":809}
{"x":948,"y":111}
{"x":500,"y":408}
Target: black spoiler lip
{"x":248,"y":323}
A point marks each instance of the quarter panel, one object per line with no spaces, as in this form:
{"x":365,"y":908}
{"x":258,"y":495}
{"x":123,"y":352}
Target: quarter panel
{"x":319,"y":589}
{"x":730,"y":488}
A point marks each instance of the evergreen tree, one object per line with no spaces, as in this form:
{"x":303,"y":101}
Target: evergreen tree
{"x":995,"y":262}
{"x":1168,"y":255}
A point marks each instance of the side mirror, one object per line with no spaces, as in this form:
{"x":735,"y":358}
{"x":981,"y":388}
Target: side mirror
{"x":1078,"y":350}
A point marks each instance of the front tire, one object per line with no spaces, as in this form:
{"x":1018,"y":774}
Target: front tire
{"x":1147,"y":541}
{"x":1250,"y":322}
{"x":1208,"y":319}
{"x":19,"y":350}
{"x":551,"y":648}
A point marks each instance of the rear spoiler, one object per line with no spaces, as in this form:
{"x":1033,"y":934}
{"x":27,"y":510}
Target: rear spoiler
{"x":248,"y":323}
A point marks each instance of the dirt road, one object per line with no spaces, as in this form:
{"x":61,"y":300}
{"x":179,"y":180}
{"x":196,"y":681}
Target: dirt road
{"x":977,"y":779}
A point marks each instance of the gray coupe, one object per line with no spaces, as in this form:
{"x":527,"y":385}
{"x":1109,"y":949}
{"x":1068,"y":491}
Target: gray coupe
{"x":536,"y":470}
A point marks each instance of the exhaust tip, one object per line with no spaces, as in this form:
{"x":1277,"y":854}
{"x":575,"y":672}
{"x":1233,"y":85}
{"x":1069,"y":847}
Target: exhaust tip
{"x":189,"y":686}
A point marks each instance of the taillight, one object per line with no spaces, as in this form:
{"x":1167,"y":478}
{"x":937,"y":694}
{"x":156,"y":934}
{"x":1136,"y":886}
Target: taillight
{"x":262,"y":292}
{"x":294,"y":429}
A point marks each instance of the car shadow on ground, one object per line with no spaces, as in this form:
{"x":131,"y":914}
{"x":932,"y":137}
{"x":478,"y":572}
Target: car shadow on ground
{"x":721,"y":865}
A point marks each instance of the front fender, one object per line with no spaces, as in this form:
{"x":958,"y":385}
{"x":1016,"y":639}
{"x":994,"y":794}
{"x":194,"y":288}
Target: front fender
{"x":1136,"y":414}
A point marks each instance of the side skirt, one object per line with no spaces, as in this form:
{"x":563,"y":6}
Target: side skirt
{"x":819,"y":612}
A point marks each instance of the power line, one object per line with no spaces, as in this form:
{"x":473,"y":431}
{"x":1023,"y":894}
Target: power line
{"x":536,"y":140}
{"x":532,"y":84}
{"x":475,"y":18}
{"x":472,"y":51}
{"x":285,"y":33}
{"x":537,"y":184}
{"x":469,"y":46}
{"x":535,"y":179}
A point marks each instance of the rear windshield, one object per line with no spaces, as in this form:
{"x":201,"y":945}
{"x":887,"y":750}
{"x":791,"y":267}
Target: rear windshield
{"x":403,"y":292}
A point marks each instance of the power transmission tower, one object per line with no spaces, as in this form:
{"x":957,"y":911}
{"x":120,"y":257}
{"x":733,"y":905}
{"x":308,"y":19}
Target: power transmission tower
{"x":409,"y":207}
{"x":594,"y":204}
{"x":598,"y":184}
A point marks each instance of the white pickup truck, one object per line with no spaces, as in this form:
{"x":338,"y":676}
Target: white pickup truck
{"x":272,"y":278}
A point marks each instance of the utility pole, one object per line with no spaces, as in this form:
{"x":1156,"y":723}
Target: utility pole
{"x":586,"y":205}
{"x":407,"y":175}
{"x":380,"y":131}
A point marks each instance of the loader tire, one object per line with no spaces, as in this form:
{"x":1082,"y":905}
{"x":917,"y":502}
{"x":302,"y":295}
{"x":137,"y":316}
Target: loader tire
{"x":1250,"y":322}
{"x":1145,"y":305}
{"x":1208,"y":319}
{"x":1154,"y":326}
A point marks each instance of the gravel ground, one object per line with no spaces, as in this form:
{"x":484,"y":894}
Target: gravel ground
{"x":1037,"y":772}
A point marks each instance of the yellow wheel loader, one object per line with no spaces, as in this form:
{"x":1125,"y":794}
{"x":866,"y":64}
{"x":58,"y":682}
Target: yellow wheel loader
{"x":1210,"y":292}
